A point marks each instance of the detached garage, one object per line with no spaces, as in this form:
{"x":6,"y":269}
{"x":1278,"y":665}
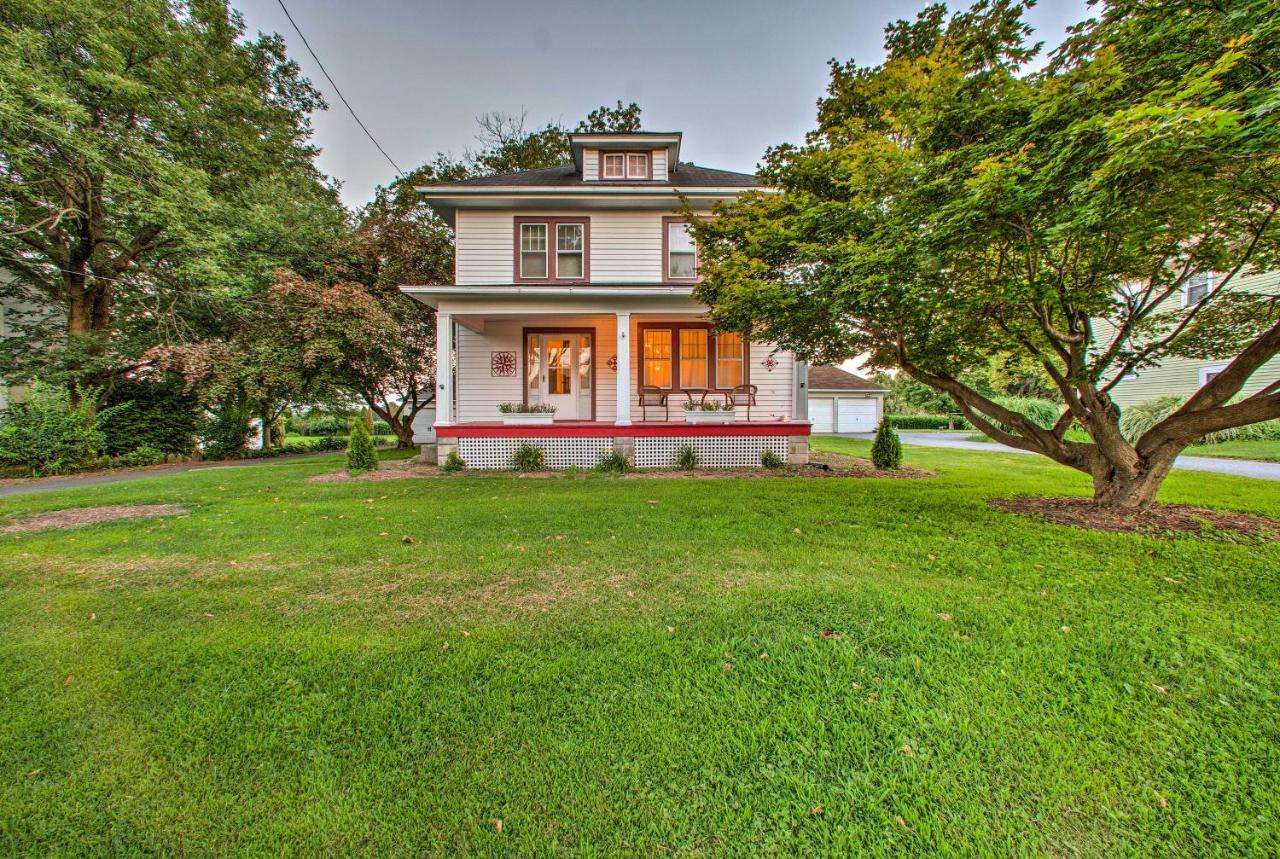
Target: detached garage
{"x":842,"y":402}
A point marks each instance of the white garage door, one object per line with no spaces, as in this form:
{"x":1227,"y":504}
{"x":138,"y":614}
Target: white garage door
{"x":857,"y":415}
{"x":823,"y":414}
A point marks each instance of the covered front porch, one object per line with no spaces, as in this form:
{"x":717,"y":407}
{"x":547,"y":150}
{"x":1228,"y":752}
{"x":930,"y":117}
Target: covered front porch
{"x":617,"y":372}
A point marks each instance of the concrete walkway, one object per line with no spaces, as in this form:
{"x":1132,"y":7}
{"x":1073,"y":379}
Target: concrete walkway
{"x":957,"y":441}
{"x":52,"y":484}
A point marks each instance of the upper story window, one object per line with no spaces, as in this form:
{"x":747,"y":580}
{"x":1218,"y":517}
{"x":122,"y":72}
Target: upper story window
{"x":625,"y":165}
{"x":1196,"y":288}
{"x":680,"y":254}
{"x":552,"y":250}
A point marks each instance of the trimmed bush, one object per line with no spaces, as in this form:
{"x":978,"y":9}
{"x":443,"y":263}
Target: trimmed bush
{"x":687,"y":458}
{"x":157,"y":415}
{"x":527,"y":457}
{"x":928,"y":422}
{"x":46,"y":434}
{"x":361,"y":454}
{"x":769,"y":459}
{"x":886,"y":450}
{"x":453,"y":462}
{"x":614,"y":462}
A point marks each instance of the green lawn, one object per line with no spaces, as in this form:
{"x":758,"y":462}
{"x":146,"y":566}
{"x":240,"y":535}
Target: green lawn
{"x":636,"y":666}
{"x":1267,"y":450}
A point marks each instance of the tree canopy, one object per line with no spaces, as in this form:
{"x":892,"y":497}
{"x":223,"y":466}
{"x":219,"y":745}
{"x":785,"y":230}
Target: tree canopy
{"x":155,"y":162}
{"x":951,"y":207}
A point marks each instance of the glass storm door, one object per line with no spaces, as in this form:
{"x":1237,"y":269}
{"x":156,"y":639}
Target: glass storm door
{"x":561,"y":377}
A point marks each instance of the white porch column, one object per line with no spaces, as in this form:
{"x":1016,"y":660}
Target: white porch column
{"x":444,"y":369}
{"x":801,"y":392}
{"x":623,"y":390}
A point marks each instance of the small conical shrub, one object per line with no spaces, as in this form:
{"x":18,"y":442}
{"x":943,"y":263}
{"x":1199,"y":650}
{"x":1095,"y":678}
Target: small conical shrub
{"x":361,"y":454}
{"x":886,"y":450}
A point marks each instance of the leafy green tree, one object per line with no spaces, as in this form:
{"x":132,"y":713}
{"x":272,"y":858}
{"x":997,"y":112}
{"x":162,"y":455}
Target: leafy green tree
{"x":950,"y":208}
{"x":154,"y":163}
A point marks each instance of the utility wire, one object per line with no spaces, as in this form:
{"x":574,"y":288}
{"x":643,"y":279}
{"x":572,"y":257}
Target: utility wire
{"x":327,"y":76}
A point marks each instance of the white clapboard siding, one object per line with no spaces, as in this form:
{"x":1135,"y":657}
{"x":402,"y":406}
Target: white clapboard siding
{"x":659,"y":165}
{"x":590,"y":165}
{"x":479,"y":392}
{"x":625,"y":247}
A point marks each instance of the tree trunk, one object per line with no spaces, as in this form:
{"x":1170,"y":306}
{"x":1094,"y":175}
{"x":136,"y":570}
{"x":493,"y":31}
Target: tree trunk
{"x":1131,"y":489}
{"x":404,"y":433}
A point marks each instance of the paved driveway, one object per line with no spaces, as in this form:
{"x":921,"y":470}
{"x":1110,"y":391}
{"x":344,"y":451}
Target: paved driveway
{"x":1217,"y":465}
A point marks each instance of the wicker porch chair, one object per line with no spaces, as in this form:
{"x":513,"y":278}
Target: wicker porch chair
{"x":651,"y":396}
{"x":742,"y":395}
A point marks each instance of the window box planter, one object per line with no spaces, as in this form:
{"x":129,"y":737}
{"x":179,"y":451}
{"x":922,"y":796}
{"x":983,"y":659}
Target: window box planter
{"x":701,"y":417}
{"x":528,"y":418}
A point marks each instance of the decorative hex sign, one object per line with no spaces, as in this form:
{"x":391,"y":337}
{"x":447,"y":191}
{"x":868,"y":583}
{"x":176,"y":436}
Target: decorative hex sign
{"x":612,"y":363}
{"x":502,"y":363}
{"x":770,"y":363}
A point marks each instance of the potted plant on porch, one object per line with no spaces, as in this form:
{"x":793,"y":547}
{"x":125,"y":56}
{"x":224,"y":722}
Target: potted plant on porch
{"x":526,"y":413}
{"x":708,"y":413}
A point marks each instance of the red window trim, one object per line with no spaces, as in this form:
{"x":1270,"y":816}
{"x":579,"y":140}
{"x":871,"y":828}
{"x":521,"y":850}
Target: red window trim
{"x":648,"y":165}
{"x":551,"y":223}
{"x":666,"y":255}
{"x":712,"y":350}
{"x":524,"y":358}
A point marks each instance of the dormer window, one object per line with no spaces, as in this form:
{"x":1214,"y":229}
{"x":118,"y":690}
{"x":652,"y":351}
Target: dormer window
{"x":624,"y":165}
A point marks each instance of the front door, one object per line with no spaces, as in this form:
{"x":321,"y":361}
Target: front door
{"x":559,"y":382}
{"x":563,"y":373}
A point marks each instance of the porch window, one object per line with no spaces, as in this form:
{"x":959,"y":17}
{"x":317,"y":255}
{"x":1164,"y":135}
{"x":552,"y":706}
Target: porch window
{"x":569,"y":251}
{"x":677,"y":356}
{"x":533,"y":250}
{"x":657,"y":357}
{"x":682,"y":255}
{"x":730,"y":360}
{"x":693,"y":357}
{"x":552,"y":250}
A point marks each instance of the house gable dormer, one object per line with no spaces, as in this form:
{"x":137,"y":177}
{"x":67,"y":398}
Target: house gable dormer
{"x":625,"y":157}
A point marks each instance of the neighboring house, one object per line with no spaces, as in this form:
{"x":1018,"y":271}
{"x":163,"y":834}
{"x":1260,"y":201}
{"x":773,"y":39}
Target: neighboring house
{"x":1183,"y":376}
{"x":842,"y":402}
{"x":572,"y":288}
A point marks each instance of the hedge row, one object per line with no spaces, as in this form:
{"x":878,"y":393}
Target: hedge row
{"x":928,"y":422}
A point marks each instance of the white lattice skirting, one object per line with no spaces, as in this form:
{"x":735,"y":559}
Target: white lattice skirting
{"x":557,"y":452}
{"x":650,"y":452}
{"x":713,"y":451}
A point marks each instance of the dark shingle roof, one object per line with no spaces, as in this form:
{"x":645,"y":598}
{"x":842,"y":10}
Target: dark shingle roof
{"x":689,"y":175}
{"x":823,"y":378}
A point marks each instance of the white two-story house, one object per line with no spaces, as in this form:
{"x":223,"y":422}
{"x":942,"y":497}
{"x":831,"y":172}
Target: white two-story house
{"x":573,"y":289}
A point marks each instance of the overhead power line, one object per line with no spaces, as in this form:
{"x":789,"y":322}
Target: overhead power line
{"x":329,"y":78}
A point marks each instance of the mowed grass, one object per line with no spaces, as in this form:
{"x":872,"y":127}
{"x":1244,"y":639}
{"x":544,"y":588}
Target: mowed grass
{"x":636,"y":666}
{"x":1267,"y":450}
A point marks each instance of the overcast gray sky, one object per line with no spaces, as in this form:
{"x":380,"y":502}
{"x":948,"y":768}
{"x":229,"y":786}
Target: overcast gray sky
{"x":736,"y":76}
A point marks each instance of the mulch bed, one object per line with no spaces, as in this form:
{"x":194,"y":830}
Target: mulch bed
{"x":1158,"y":519}
{"x":78,"y":517}
{"x":820,"y":465}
